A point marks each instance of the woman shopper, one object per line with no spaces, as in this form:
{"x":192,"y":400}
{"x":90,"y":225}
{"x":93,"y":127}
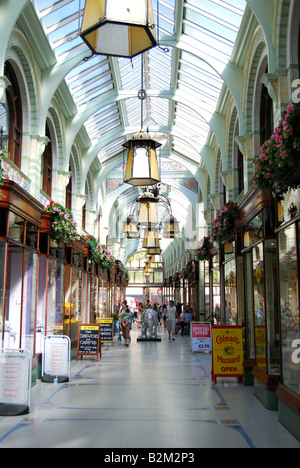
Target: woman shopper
{"x":125,"y":322}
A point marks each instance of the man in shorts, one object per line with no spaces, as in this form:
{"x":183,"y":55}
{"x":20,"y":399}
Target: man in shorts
{"x":171,"y":320}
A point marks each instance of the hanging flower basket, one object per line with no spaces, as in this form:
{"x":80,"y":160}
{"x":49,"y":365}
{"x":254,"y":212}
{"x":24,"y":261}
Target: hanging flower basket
{"x":176,"y":278}
{"x":223,"y":224}
{"x":280,"y":155}
{"x":188,"y":270}
{"x":203,"y":251}
{"x":100,"y":254}
{"x":121,"y":270}
{"x":63,"y":224}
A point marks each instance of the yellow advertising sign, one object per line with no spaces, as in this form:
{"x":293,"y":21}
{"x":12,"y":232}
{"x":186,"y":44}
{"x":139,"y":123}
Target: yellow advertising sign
{"x":228,"y":352}
{"x":90,"y":327}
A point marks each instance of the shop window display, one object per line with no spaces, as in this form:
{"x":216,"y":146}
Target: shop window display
{"x":272,"y":323}
{"x":259,"y":306}
{"x":2,"y":285}
{"x":20,"y":298}
{"x":29,"y":300}
{"x":250,"y":341}
{"x":73,"y":302}
{"x":230,"y":293}
{"x":49,"y":319}
{"x":289,"y":303}
{"x":216,"y":282}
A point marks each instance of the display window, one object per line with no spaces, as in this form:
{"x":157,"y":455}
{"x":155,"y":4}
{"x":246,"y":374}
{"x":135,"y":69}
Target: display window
{"x":216,"y":287}
{"x":261,"y":286}
{"x":20,"y":302}
{"x":3,"y":247}
{"x":73,"y":303}
{"x":272,"y":315}
{"x":259,"y":306}
{"x":249,"y":316}
{"x":49,"y":317}
{"x":230,"y":284}
{"x":288,"y":244}
{"x":208,"y":315}
{"x":20,"y":222}
{"x":94,"y":294}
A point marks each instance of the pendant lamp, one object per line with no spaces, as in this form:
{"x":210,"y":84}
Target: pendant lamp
{"x":151,"y":243}
{"x":171,"y":228}
{"x":131,"y":228}
{"x":120,"y":28}
{"x":147,"y":218}
{"x":142,"y":165}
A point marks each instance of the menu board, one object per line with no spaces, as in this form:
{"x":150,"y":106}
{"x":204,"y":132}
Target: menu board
{"x":107,"y":330}
{"x":89,"y":342}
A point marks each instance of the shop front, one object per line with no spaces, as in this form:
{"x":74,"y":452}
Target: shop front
{"x":288,"y":238}
{"x":20,"y":216}
{"x":193,"y":289}
{"x":262,"y":358}
{"x":73,"y":298}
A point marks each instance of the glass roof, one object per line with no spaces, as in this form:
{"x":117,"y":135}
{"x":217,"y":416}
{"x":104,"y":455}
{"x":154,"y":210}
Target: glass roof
{"x":183,"y":84}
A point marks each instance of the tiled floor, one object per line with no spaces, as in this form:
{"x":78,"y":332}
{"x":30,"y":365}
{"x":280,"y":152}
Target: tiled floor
{"x":150,"y":395}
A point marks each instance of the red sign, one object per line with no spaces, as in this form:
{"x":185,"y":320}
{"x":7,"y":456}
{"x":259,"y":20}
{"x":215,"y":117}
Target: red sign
{"x":201,"y":337}
{"x":201,"y":331}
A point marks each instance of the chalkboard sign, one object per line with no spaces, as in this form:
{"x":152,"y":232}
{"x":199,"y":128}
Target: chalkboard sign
{"x":107,"y":330}
{"x":89,"y":343}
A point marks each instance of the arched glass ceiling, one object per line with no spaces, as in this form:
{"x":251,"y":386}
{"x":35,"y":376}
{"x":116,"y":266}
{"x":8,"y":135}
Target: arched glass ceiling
{"x":183,"y":85}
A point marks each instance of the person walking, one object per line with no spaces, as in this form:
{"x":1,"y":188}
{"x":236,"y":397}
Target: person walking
{"x":140,"y":312}
{"x":125,"y":322}
{"x":171,"y":320}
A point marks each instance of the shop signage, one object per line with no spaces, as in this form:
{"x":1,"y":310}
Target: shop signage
{"x":56,"y":359}
{"x":15,"y":382}
{"x":107,"y":330}
{"x":89,"y":341}
{"x":201,"y":337}
{"x":227,"y":352}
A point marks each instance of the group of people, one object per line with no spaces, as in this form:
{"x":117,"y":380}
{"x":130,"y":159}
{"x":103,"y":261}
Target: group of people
{"x":173,"y":317}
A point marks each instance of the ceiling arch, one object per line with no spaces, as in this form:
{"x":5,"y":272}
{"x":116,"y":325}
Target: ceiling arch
{"x":101,"y":82}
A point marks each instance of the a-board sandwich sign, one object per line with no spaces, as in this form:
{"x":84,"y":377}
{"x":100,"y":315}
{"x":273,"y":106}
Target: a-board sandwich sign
{"x":107,"y":330}
{"x":228,"y":352}
{"x":15,"y":382}
{"x":56,"y":359}
{"x":201,"y":337}
{"x":89,"y":340}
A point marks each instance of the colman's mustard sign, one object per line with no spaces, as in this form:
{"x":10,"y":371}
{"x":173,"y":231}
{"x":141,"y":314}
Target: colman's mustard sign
{"x":228,"y":352}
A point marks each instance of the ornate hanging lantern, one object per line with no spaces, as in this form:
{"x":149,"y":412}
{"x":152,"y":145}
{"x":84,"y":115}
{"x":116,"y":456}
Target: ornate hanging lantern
{"x":147,"y":218}
{"x":142,"y":165}
{"x":171,"y":228}
{"x":120,"y":28}
{"x":151,"y":243}
{"x":131,"y":228}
